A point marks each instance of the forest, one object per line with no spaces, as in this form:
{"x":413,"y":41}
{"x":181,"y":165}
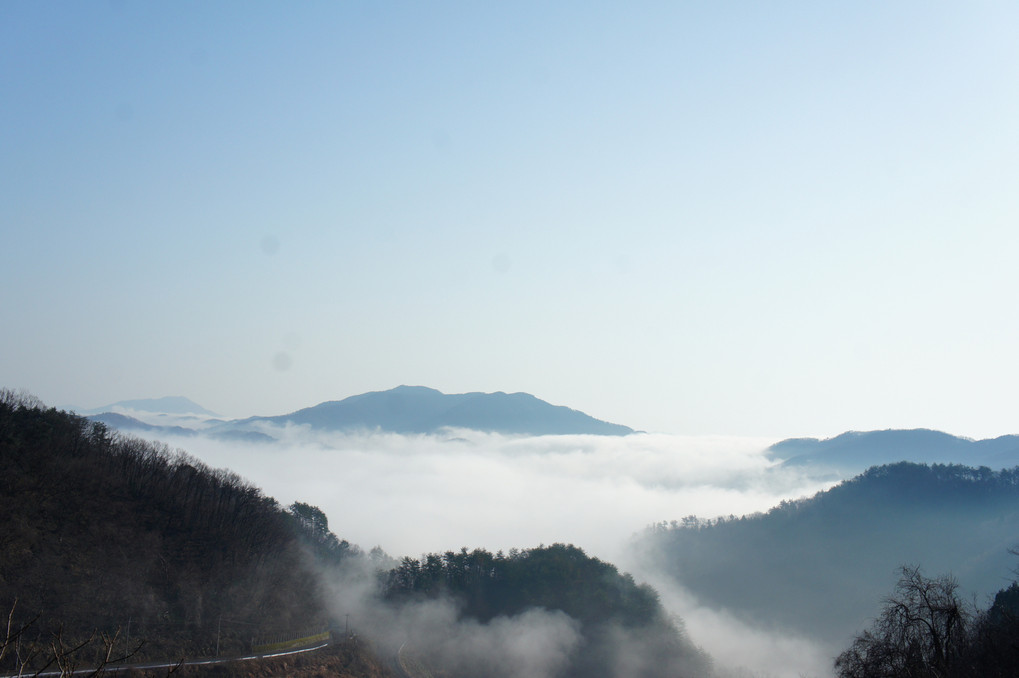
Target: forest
{"x":820,"y":566}
{"x":102,"y":534}
{"x":617,"y":616}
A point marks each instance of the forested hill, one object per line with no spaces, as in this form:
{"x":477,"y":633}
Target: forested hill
{"x":620,"y":623}
{"x":101,"y":532}
{"x":822,"y":565}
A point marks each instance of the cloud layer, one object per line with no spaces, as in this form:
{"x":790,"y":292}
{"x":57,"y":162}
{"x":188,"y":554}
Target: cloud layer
{"x":417,"y":494}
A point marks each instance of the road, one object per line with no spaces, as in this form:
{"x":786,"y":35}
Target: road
{"x":110,"y":670}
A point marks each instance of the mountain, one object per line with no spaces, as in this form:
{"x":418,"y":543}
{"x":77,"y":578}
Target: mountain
{"x":404,"y":409}
{"x":166,"y":405}
{"x":853,"y":452}
{"x":821,"y":566}
{"x":126,"y":423}
{"x":417,"y":409}
{"x":122,"y":422}
{"x":99,"y":533}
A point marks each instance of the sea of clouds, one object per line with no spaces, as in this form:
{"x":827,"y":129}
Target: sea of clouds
{"x":419,"y":494}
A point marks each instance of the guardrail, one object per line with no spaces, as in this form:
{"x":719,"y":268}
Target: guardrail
{"x":288,"y":642}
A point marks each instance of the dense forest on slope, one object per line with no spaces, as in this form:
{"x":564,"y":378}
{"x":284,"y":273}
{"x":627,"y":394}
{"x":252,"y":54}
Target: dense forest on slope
{"x":103,"y":532}
{"x":820,"y":566}
{"x":619,"y":620}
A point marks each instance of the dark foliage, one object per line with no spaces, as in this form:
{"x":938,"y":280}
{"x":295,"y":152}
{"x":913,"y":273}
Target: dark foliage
{"x":609,"y":605}
{"x":993,"y":648}
{"x":557,"y":577}
{"x":925,"y":630}
{"x":921,"y":632}
{"x":104,"y":532}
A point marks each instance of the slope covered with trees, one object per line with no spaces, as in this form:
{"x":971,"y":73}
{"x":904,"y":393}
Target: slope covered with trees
{"x":820,"y":566}
{"x":102,"y":532}
{"x":620,"y":621}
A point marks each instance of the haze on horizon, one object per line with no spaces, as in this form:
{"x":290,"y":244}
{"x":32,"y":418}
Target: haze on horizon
{"x":781,"y":220}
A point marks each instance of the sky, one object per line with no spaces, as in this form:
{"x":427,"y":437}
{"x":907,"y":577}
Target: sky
{"x":744,"y":219}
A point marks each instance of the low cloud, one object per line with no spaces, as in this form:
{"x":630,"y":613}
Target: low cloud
{"x":538,"y":643}
{"x":740,"y":648}
{"x":420,"y":494}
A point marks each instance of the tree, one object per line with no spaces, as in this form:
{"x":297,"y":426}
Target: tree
{"x":37,"y":659}
{"x":994,"y":643}
{"x":921,"y":633}
{"x":311,"y":517}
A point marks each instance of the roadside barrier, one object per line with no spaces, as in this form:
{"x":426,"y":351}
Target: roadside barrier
{"x":287,"y":642}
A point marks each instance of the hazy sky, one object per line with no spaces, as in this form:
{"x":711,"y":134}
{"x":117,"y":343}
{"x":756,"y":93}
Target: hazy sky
{"x":781,"y":218}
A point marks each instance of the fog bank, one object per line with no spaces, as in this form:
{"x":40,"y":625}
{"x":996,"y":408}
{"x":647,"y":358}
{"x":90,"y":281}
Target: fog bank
{"x":418,"y":494}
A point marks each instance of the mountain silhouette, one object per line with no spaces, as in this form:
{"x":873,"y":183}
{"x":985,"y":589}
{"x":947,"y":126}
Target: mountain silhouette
{"x":418,"y":409}
{"x":854,"y":451}
{"x":124,"y":422}
{"x":165,"y":405}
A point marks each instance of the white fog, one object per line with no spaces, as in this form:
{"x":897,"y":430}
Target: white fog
{"x":418,"y":494}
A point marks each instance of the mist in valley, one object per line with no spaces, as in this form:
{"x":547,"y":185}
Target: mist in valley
{"x":413,"y":495}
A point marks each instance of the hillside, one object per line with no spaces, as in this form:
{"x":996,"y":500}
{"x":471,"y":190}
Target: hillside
{"x":606,"y":620}
{"x":820,"y":566}
{"x":104,"y":533}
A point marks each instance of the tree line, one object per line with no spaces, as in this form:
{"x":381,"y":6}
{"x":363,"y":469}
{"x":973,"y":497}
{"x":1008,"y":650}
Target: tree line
{"x":616,"y":614}
{"x":820,"y":565}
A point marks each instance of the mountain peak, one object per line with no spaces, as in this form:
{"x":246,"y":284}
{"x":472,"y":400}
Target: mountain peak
{"x":420,"y":409}
{"x":164,"y":405}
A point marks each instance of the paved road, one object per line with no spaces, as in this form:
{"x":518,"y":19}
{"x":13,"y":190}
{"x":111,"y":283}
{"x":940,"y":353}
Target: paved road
{"x":409,"y":665}
{"x":189,"y":662}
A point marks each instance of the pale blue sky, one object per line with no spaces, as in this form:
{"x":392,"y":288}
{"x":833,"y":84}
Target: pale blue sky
{"x":778,"y":219}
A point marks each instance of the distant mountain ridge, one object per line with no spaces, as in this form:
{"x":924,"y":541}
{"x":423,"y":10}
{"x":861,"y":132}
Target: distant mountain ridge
{"x":165,"y":405}
{"x":855,"y":451}
{"x":419,"y":409}
{"x":404,"y":409}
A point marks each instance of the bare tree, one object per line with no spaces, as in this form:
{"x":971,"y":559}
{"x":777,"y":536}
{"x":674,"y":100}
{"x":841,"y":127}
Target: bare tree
{"x":921,"y":632}
{"x":33,"y":659}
